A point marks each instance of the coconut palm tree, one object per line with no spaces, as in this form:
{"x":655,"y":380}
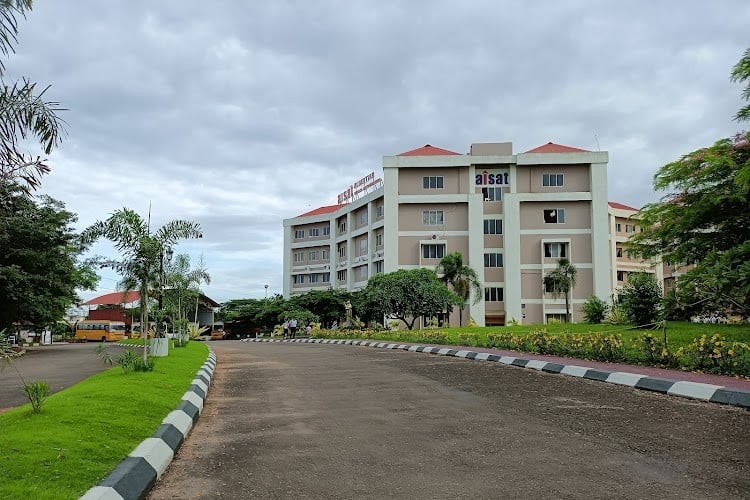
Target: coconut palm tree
{"x":141,"y":252}
{"x":23,"y":112}
{"x":184,"y":282}
{"x":461,"y":278}
{"x":561,"y":281}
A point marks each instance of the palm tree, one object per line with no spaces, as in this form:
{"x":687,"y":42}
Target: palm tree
{"x":561,"y":281}
{"x":462,"y":279}
{"x":185,"y":283}
{"x":23,"y":112}
{"x":141,"y":251}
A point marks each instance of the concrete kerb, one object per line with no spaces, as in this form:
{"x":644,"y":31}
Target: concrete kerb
{"x":137,"y":473}
{"x":693,"y":390}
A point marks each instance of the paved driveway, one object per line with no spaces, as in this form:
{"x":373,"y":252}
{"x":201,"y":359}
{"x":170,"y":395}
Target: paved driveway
{"x":61,"y":365}
{"x":325,"y":421}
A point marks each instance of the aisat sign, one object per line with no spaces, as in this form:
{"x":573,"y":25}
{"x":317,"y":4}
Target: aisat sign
{"x":488,"y":179}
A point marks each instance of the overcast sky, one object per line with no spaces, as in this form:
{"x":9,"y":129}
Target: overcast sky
{"x":238,"y":114}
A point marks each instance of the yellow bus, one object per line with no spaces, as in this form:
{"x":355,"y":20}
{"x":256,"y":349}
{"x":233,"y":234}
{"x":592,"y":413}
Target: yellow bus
{"x":100,"y":330}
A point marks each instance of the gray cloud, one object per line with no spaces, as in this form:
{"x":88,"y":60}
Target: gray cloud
{"x":239,"y":114}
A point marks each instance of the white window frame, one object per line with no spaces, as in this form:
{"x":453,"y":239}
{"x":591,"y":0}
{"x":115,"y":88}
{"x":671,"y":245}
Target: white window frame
{"x":428,"y":253}
{"x":492,"y":193}
{"x":378,"y":241}
{"x":378,"y":267}
{"x":555,"y":249}
{"x":363,"y":246}
{"x":299,"y":257}
{"x":559,"y":215}
{"x":493,"y":226}
{"x":314,"y":232}
{"x":326,"y":230}
{"x":312,"y":255}
{"x":493,"y":259}
{"x":493,"y":294}
{"x":299,"y":234}
{"x":324,"y":254}
{"x":433,"y":182}
{"x":433,"y":217}
{"x":553,"y":180}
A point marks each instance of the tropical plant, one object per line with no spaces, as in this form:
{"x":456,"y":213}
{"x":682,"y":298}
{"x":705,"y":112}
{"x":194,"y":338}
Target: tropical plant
{"x":23,"y":112}
{"x":183,"y":288}
{"x":595,"y":310}
{"x":741,"y":73}
{"x":141,"y":250}
{"x":641,"y":298}
{"x":460,"y":278}
{"x":561,"y":281}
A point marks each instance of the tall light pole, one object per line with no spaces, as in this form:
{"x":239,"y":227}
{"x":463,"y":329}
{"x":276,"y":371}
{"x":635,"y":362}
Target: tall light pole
{"x":162,"y":255}
{"x":266,"y":287}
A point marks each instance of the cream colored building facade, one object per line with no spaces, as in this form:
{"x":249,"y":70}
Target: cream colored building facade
{"x":512,"y":216}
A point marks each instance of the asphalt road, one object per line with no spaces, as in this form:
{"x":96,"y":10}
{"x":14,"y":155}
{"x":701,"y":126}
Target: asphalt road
{"x":329,"y":421}
{"x":61,"y":365}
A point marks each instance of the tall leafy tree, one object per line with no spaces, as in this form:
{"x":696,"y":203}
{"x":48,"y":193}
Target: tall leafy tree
{"x":24,"y":113}
{"x":561,"y":281}
{"x":461,"y":278}
{"x":406,"y":294}
{"x":703,"y":222}
{"x":741,"y":73}
{"x":39,"y":272}
{"x":141,"y":250}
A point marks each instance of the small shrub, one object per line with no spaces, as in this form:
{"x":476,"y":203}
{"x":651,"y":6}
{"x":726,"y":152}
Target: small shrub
{"x":617,"y":316}
{"x":595,"y":310}
{"x":467,"y":339}
{"x":37,"y":392}
{"x":554,"y":321}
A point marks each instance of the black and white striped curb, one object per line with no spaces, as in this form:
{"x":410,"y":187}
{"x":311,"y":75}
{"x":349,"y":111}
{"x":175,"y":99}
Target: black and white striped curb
{"x":695,"y":390}
{"x":136,"y":474}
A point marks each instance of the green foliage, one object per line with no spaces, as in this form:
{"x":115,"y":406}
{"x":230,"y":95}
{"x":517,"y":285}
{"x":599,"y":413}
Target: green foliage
{"x":462,"y":279}
{"x":561,"y":281}
{"x":703,"y":222}
{"x":37,"y":392}
{"x":38,"y":269}
{"x":595,"y":310}
{"x":741,"y":73}
{"x":406,"y":294}
{"x":78,"y":439}
{"x":641,"y":299}
{"x":129,"y":361}
{"x":617,"y":315}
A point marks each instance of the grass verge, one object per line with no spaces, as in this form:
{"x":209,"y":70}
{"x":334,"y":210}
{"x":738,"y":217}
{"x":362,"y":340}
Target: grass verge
{"x":84,"y":431}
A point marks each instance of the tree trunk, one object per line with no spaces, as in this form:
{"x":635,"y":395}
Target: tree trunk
{"x":567,"y":308}
{"x":460,"y":317}
{"x":144,"y":322}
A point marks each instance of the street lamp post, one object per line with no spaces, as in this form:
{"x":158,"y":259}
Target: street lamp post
{"x":162,"y":255}
{"x":266,"y":287}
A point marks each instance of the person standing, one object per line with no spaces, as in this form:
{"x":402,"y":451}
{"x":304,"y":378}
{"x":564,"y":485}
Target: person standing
{"x":292,"y":327}
{"x":286,"y":328}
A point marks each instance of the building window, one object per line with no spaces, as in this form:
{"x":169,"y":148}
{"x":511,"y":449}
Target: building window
{"x":299,"y":279}
{"x":493,"y":260}
{"x":493,"y":294}
{"x":299,"y":257}
{"x":342,"y":251}
{"x":326,"y":277}
{"x":561,"y":317}
{"x":492,"y":193}
{"x":381,"y":211}
{"x":552,"y":180}
{"x":432,"y":182}
{"x":629,"y":228}
{"x":554,"y":216}
{"x":324,"y":254}
{"x":342,"y":226}
{"x":363,"y":218}
{"x":622,"y":275}
{"x":433,"y":251}
{"x":363,"y":246}
{"x":432,"y":217}
{"x":493,"y":226}
{"x":362,"y":273}
{"x":341,"y":276}
{"x":314,"y":278}
{"x":556,"y":250}
{"x":618,"y":251}
{"x":619,"y":227}
{"x":378,"y":267}
{"x":314,"y":231}
{"x":378,"y":241}
{"x":313,"y":255}
{"x":326,"y":230}
{"x":299,"y":233}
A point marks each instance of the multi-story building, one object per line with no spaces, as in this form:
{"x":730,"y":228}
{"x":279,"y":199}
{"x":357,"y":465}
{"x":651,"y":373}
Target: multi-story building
{"x":512,"y":216}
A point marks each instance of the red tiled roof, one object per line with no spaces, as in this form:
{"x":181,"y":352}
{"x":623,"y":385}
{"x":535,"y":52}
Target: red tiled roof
{"x":322,"y":210}
{"x":620,"y":206}
{"x":114,"y":298}
{"x":551,"y":147}
{"x":428,"y":150}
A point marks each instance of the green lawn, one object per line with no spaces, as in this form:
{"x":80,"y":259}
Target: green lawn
{"x":84,"y":431}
